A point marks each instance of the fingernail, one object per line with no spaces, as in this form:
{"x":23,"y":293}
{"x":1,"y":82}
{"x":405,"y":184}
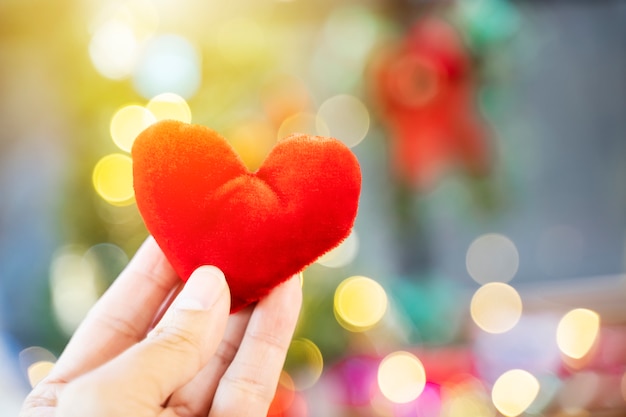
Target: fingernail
{"x":202,"y":289}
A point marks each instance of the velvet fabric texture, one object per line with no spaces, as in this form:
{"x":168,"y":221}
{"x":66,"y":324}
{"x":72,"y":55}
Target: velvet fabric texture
{"x":204,"y":207}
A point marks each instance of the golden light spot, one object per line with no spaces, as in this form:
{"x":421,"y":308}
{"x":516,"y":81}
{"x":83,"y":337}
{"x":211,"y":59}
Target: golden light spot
{"x":496,"y":307}
{"x":577,"y":332}
{"x":127,"y":123}
{"x":304,"y":363}
{"x":306,"y":123}
{"x":492,"y":257}
{"x":514,"y":391}
{"x":113,"y":179}
{"x":346,"y":118}
{"x":401,"y":377}
{"x":343,"y":254}
{"x":360,"y":303}
{"x":38,"y":371}
{"x":169,"y":106}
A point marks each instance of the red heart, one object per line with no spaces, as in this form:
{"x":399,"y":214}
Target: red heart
{"x":204,"y":207}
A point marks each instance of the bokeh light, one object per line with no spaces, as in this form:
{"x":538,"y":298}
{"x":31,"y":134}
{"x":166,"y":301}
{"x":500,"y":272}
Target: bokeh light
{"x":346,"y":118}
{"x":514,"y":391}
{"x":496,"y":307}
{"x":304,"y":363}
{"x":492,"y":257}
{"x":113,"y":49}
{"x":359,"y":303}
{"x":169,"y":63}
{"x":343,"y":254}
{"x":113,"y":179}
{"x":306,"y":123}
{"x":127,"y":123}
{"x":577,"y":332}
{"x":75,"y":287}
{"x":401,"y":377}
{"x":169,"y":106}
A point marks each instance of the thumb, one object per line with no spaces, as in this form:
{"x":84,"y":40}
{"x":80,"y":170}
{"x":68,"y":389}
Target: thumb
{"x":174,"y":352}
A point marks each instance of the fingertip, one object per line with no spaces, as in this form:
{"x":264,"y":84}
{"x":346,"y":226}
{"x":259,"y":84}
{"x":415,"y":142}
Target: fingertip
{"x":204,"y":288}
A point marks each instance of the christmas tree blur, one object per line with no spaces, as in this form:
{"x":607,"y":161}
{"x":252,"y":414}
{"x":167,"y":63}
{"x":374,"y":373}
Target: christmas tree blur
{"x":442,"y":301}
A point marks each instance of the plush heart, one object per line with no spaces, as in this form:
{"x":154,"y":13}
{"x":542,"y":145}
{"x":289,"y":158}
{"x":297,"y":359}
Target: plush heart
{"x":204,"y":207}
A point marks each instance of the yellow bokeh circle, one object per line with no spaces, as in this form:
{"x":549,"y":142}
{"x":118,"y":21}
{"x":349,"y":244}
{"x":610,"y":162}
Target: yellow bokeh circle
{"x":127,"y":123}
{"x":360,"y":303}
{"x":113,"y":179}
{"x":577,"y":332}
{"x":514,"y":391}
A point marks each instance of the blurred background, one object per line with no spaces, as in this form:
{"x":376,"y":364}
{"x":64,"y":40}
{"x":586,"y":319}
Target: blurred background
{"x":485,"y":272}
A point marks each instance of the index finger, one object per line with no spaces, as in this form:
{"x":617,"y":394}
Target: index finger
{"x":122,"y":316}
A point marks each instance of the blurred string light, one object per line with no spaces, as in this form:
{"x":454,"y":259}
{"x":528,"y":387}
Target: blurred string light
{"x":119,"y":31}
{"x":577,"y":332}
{"x":304,"y":363}
{"x":306,"y":123}
{"x":168,"y":63}
{"x":359,"y":303}
{"x":127,"y":123}
{"x":343,"y":254}
{"x":113,"y":179}
{"x":401,"y":377}
{"x":514,"y":391}
{"x":36,"y":362}
{"x":75,"y":287}
{"x":492,"y":257}
{"x":496,"y":307}
{"x":346,"y":118}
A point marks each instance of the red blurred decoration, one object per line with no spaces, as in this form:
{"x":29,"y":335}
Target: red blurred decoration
{"x":426,"y":93}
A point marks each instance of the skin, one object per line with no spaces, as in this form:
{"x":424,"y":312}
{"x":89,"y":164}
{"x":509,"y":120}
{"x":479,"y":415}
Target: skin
{"x":197,"y":361}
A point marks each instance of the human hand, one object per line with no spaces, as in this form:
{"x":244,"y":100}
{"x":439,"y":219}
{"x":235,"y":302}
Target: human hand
{"x":197,"y":361}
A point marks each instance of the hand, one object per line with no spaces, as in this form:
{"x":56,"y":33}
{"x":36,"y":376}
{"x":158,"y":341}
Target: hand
{"x":197,"y":361}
